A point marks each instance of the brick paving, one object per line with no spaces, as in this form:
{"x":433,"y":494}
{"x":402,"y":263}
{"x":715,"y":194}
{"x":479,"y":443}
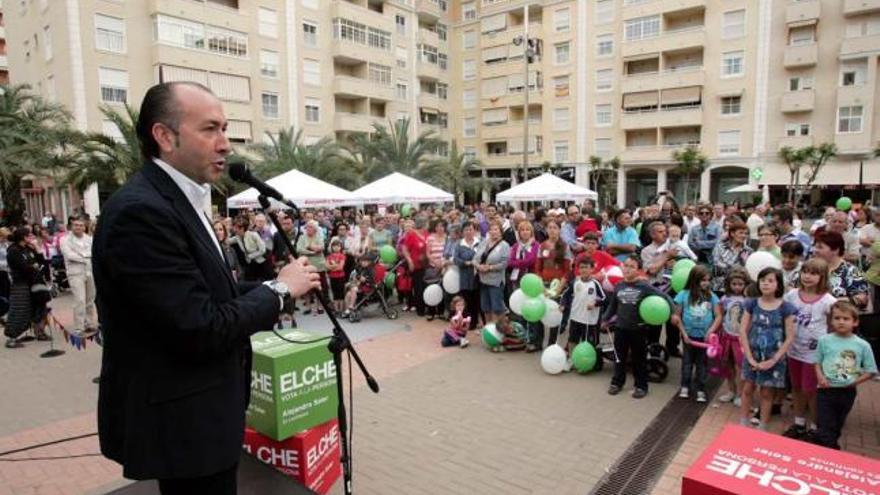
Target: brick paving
{"x":860,"y":436}
{"x":446,"y":421}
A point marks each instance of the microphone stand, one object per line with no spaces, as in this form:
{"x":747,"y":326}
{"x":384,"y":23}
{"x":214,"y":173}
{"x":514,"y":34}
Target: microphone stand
{"x":339,"y":343}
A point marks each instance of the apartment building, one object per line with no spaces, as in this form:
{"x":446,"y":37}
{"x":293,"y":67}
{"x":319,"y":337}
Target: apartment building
{"x":638,"y":79}
{"x":631,"y":79}
{"x":4,"y":64}
{"x":329,"y":67}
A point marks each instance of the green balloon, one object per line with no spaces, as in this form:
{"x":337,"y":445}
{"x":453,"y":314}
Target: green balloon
{"x":583,"y":357}
{"x":533,"y":309}
{"x":406,"y":210}
{"x":654,"y":310}
{"x":390,"y":279}
{"x":532,"y":285}
{"x":683,"y":265}
{"x":679,"y":279}
{"x":844,"y":204}
{"x":388,"y":255}
{"x":491,"y":338}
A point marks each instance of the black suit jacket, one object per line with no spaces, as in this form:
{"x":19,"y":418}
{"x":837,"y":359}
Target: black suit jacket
{"x":175,"y":375}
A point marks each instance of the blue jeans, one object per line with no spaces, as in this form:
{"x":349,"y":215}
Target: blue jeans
{"x":694,"y":357}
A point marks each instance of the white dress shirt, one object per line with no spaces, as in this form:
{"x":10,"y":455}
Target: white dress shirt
{"x":196,"y":194}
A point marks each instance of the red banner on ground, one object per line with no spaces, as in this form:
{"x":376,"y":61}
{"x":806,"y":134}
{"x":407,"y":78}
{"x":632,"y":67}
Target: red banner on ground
{"x":744,"y":461}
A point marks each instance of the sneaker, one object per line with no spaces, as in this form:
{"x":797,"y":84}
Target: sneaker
{"x":13,"y":344}
{"x":737,"y":402}
{"x":701,"y":396}
{"x":463,"y":343}
{"x":795,"y":431}
{"x":756,"y":416}
{"x":729,"y":396}
{"x":568,"y":365}
{"x":684,"y":393}
{"x":639,"y":393}
{"x":613,"y":390}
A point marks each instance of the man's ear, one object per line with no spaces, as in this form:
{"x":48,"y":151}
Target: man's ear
{"x":165,"y":138}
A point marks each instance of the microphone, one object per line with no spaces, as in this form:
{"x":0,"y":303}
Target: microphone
{"x":239,"y":172}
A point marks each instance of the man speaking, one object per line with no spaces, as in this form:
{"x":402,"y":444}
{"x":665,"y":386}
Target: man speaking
{"x":175,"y":375}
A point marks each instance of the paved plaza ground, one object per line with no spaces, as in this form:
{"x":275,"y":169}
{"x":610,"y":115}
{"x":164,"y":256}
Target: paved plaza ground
{"x":447,"y":421}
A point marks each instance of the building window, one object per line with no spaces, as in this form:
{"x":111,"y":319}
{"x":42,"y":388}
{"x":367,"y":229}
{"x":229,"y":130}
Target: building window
{"x":563,"y":53}
{"x":400,"y":21}
{"x":604,"y":79}
{"x":113,"y":84}
{"x":313,"y":110}
{"x":849,"y":119}
{"x":561,"y":120}
{"x":800,"y":83}
{"x":310,"y":34}
{"x":355,"y":32}
{"x":642,"y":28}
{"x":269,"y":63}
{"x":401,"y":90}
{"x":312,"y":72}
{"x":560,"y":152}
{"x":562,"y":19}
{"x":469,"y":70}
{"x":732,"y":64}
{"x":109,"y":34}
{"x":728,"y":143}
{"x":268,"y":22}
{"x":443,"y":91}
{"x":801,"y":36}
{"x":441,"y":31}
{"x":111,"y":130}
{"x":469,"y":99}
{"x":603,"y":115}
{"x":561,"y":86}
{"x":470,"y":152}
{"x":469,"y":11}
{"x":605,"y":45}
{"x":469,"y":40}
{"x":604,"y":11}
{"x":270,"y":105}
{"x":793,"y":130}
{"x":379,"y":74}
{"x":734,"y":24}
{"x":853,"y":73}
{"x":226,"y":42}
{"x":402,"y":56}
{"x":731,"y":105}
{"x":180,"y":32}
{"x":469,"y":127}
{"x":602,"y":147}
{"x":47,"y":43}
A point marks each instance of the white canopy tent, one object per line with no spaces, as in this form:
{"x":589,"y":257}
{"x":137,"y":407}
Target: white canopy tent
{"x":753,"y":188}
{"x":546,"y":187}
{"x":400,"y":188}
{"x":303,"y":189}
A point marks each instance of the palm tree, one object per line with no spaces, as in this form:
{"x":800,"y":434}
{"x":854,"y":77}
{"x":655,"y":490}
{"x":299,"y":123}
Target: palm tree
{"x":690,"y":161}
{"x":453,"y":173}
{"x":286,"y":151}
{"x":108,"y":161}
{"x":794,"y":160}
{"x":394,"y":151}
{"x":35,"y":139}
{"x":600,"y":173}
{"x":815,"y":157}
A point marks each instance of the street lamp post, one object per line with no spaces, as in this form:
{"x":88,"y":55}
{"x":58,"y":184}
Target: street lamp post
{"x":528,"y":53}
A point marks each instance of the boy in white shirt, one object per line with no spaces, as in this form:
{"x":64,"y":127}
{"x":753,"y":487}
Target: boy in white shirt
{"x":586,"y":307}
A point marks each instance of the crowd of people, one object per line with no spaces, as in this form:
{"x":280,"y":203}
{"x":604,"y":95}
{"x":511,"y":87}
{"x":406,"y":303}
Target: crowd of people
{"x":774,"y":332}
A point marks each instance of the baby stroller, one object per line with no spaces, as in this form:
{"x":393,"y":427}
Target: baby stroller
{"x":656,"y":362}
{"x":370,"y":291}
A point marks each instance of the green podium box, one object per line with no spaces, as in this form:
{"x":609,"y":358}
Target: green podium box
{"x":293,"y":386}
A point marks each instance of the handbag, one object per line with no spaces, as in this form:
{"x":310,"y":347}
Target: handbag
{"x":40,"y":294}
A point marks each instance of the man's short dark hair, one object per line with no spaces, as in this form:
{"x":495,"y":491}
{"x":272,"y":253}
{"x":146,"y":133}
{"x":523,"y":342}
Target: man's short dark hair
{"x":620,"y":212}
{"x":792,"y":248}
{"x":160,"y":106}
{"x":785,"y":214}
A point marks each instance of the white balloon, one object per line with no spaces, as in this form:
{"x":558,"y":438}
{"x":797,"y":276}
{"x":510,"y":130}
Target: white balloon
{"x":553,"y":315}
{"x":553,"y":359}
{"x":759,"y":260}
{"x":516,"y":301}
{"x":495,"y":333}
{"x":433,"y":295}
{"x":452,"y":280}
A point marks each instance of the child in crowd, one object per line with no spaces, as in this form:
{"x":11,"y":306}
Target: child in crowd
{"x":698,"y":315}
{"x":792,"y":254}
{"x":843,"y":362}
{"x":675,"y":240}
{"x":586,"y":305}
{"x":336,"y":271}
{"x":813,"y":304}
{"x":766,"y":333}
{"x":731,"y":350}
{"x":362,"y":279}
{"x":768,"y":236}
{"x":513,"y":334}
{"x":404,"y":285}
{"x":456,"y":332}
{"x":630,"y":334}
